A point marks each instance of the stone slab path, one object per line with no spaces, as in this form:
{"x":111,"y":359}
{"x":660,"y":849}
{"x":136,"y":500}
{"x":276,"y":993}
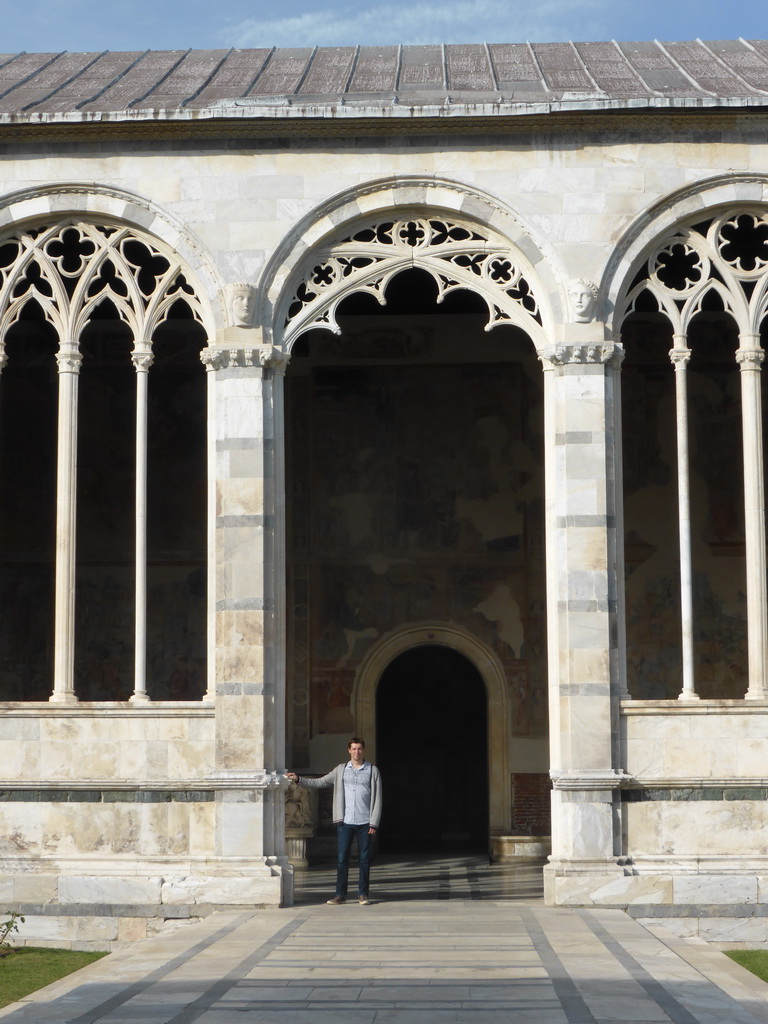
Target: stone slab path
{"x":478,"y":950}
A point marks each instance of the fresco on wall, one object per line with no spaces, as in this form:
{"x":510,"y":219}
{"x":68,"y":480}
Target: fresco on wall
{"x":651,"y":513}
{"x":421,"y":485}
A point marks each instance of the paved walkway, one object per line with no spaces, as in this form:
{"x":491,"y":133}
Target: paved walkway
{"x":450,"y":942}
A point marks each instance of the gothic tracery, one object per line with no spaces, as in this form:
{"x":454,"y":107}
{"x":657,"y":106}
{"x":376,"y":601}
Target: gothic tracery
{"x":456,"y":255}
{"x":72,"y":267}
{"x":723,"y":259}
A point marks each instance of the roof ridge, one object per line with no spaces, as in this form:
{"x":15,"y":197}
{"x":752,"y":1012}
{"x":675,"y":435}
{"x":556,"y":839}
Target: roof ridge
{"x":31,"y":74}
{"x":261,"y":71}
{"x":42,"y":99}
{"x":159,"y":82}
{"x":633,"y":70}
{"x":209,"y":79}
{"x":590,"y":76}
{"x":681,"y":69}
{"x":492,"y":66}
{"x":733,"y":71}
{"x":352,"y":70}
{"x":307,"y":67}
{"x":537,"y":64}
{"x":112,"y":81}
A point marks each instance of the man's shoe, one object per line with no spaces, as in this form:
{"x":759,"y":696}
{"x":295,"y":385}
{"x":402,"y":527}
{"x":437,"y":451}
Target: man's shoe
{"x":364,"y":900}
{"x":336,"y":901}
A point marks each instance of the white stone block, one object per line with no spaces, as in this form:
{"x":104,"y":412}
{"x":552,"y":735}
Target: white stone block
{"x":682,"y":927}
{"x":241,"y":889}
{"x":109,"y":890}
{"x":714,"y":889}
{"x":32,"y":888}
{"x":733,"y":929}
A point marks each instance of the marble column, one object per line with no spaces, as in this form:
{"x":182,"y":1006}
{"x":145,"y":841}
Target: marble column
{"x":583,"y":580}
{"x":249,"y":611}
{"x":750,"y":356}
{"x":680,"y":356}
{"x":69,"y":360}
{"x":142,"y":360}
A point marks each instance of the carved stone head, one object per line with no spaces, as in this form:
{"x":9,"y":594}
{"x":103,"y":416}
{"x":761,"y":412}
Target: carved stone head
{"x":583,"y":298}
{"x":242,"y":303}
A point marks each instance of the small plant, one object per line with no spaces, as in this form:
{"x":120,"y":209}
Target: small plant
{"x":9,"y":927}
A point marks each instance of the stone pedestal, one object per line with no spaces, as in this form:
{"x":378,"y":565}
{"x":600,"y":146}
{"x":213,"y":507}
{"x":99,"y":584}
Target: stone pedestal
{"x":300,"y":824}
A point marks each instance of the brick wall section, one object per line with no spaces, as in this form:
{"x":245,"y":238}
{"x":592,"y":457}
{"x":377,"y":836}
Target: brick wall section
{"x":531,"y":813}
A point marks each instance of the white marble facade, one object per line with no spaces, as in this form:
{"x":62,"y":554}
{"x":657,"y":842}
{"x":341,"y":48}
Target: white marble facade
{"x":114,"y":808}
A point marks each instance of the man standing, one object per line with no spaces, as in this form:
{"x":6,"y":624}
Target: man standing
{"x":356,"y":813}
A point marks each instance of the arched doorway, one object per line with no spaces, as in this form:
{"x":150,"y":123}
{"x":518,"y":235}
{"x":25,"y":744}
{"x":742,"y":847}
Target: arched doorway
{"x":431,"y":724}
{"x":414,"y":488}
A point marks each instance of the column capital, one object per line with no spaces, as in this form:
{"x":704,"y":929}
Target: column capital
{"x":750,"y":358}
{"x":604,"y":352}
{"x":680,"y":357}
{"x":216,"y":357}
{"x":69,"y":359}
{"x":142,"y":359}
{"x":3,"y":357}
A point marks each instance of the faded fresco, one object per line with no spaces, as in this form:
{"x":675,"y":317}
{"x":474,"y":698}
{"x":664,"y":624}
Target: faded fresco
{"x":717,"y":522}
{"x":416,"y":495}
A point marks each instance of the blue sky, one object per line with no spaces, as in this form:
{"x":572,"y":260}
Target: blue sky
{"x":53,"y":25}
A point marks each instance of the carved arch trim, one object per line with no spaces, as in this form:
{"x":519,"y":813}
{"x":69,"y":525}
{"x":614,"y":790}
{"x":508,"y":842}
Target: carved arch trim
{"x":359,"y":240}
{"x":94,"y":206}
{"x":491,"y":671}
{"x":669,"y":222}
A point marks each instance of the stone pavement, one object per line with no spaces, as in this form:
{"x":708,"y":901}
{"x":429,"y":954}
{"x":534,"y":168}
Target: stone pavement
{"x":447,"y":942}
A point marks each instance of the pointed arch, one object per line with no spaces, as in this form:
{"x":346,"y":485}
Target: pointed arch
{"x":700,"y":202}
{"x":704,"y":250}
{"x":70,"y":250}
{"x":361,"y":239}
{"x":129,"y":215}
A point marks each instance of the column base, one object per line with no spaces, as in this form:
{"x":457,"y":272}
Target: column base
{"x":67,"y":697}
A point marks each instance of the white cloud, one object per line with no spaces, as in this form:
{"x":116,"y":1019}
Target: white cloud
{"x":425,"y":22}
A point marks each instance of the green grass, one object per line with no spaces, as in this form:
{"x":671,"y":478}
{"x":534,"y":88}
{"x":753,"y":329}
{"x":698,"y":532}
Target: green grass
{"x":28,"y":968}
{"x":755,"y":960}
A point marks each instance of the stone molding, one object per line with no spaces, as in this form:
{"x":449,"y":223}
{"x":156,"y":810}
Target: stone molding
{"x":89,"y":792}
{"x":699,"y":790}
{"x":706,"y":706}
{"x":589,"y":779}
{"x":247,"y":779}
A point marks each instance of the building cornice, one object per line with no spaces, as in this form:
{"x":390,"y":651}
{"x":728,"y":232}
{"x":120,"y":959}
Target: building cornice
{"x":346,"y":122}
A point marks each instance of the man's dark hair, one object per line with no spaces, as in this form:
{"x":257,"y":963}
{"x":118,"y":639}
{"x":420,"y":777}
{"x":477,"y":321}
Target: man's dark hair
{"x":355,"y":739}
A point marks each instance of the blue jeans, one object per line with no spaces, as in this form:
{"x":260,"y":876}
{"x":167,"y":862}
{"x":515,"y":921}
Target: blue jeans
{"x":346,"y":834}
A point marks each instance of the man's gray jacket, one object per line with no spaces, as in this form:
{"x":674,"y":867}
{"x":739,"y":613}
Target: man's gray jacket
{"x":335,"y":778}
